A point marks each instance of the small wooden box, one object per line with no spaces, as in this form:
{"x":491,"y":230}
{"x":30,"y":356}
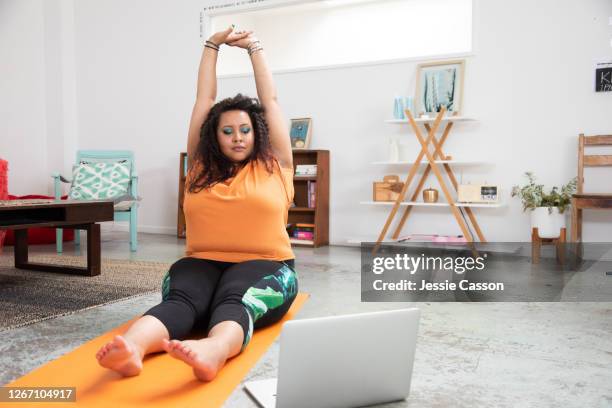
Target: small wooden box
{"x":388,"y":189}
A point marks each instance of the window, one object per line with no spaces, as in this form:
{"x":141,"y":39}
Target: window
{"x":338,"y":32}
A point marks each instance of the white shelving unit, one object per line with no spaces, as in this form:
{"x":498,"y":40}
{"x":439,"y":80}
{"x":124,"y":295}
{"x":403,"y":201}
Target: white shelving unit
{"x":440,"y":164}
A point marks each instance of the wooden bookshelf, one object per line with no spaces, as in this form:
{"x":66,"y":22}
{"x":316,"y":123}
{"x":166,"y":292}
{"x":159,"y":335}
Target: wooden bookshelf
{"x":301,"y":213}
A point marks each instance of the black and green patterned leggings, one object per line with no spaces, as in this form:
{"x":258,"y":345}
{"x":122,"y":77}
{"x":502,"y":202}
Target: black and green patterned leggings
{"x":200,"y":293}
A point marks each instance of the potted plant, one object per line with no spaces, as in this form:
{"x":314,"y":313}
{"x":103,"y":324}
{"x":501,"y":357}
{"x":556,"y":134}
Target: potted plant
{"x":547,"y":209}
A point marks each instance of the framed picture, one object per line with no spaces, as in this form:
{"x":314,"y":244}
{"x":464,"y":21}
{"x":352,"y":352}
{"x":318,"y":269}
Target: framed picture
{"x":603,"y":76}
{"x":439,"y":84}
{"x":300,"y":132}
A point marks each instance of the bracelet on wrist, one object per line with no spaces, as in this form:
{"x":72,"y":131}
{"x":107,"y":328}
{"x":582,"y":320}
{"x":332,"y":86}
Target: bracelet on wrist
{"x":254,"y":47}
{"x":251,"y":52}
{"x":212,"y":45}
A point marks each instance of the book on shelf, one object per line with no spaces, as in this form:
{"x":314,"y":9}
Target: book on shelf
{"x":312,"y":189}
{"x":301,"y":231}
{"x":304,"y":235}
{"x":304,"y":225}
{"x":305,"y":170}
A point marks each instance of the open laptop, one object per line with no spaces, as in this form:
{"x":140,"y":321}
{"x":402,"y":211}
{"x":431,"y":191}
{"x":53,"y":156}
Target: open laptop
{"x":342,"y":361}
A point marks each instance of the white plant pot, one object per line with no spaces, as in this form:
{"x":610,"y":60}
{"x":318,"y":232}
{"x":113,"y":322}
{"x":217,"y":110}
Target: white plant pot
{"x":548,"y":225}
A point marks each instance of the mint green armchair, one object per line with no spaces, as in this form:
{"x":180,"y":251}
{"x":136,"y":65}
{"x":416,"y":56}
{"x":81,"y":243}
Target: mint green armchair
{"x":129,"y":214}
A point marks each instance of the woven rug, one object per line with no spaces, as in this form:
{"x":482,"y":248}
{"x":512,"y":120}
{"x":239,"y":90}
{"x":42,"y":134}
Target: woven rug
{"x":28,"y":297}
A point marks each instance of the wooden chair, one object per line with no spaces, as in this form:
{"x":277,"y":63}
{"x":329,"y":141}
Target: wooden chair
{"x":130,"y":214}
{"x":582,"y":200}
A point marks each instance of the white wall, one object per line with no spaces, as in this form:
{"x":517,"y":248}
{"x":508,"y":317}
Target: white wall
{"x":136,"y":69}
{"x":529,"y":83}
{"x":37,"y":88}
{"x":23,"y":120}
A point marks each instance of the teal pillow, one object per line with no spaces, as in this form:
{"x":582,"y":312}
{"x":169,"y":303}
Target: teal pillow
{"x":99,"y":181}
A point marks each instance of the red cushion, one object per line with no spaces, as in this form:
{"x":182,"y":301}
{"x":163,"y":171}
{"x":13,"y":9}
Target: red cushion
{"x":3,"y":192}
{"x":38,"y":236}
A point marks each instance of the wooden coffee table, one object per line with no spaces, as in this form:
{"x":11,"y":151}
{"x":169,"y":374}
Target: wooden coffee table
{"x":19,"y":215}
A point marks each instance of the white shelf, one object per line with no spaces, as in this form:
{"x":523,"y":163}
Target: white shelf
{"x":424,"y":162}
{"x":432,"y":119}
{"x":423,"y":204}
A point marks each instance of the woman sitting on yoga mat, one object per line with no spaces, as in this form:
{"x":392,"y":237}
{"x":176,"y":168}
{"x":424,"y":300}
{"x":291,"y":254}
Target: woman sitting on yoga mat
{"x":238,"y":273}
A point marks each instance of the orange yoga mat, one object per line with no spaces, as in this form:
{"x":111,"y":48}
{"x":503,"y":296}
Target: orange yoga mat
{"x":163,"y":382}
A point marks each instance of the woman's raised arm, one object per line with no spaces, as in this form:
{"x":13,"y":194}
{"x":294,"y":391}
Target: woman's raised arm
{"x":266,"y":91}
{"x":207,"y":85}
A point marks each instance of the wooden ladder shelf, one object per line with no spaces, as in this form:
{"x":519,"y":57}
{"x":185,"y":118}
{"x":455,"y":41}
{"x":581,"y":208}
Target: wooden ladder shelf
{"x":431,"y":166}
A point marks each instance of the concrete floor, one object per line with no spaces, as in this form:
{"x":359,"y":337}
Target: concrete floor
{"x":468,"y":354}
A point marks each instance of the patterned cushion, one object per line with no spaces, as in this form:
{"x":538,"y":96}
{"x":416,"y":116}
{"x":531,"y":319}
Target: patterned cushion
{"x":101,"y":180}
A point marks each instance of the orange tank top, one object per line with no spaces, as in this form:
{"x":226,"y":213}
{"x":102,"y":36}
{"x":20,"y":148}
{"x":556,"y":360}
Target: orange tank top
{"x":243,"y":218}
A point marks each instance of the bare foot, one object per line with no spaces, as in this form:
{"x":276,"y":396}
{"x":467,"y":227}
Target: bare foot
{"x":121,"y":356}
{"x":206,"y":356}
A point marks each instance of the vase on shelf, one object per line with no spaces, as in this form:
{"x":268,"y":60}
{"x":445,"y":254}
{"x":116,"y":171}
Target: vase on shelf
{"x":430,"y":195}
{"x":409,"y":104}
{"x":393,"y":150}
{"x":398,"y":108}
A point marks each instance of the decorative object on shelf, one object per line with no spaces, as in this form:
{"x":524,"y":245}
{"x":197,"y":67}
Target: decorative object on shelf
{"x":398,"y":108}
{"x":440,"y":84}
{"x":405,"y":153}
{"x":400,"y":104}
{"x":430,"y":195}
{"x":388,"y":189}
{"x":300,"y":133}
{"x":393,"y":150}
{"x":477,"y":193}
{"x":408,"y":104}
{"x":306,"y":170}
{"x":548,"y":209}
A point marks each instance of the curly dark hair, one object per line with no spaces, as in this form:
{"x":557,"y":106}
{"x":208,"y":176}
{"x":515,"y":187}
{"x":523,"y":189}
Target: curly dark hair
{"x":215,"y":166}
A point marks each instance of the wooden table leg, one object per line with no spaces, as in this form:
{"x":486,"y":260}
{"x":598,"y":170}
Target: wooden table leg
{"x":93,"y":254}
{"x":21,"y":248}
{"x":93,"y":250}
